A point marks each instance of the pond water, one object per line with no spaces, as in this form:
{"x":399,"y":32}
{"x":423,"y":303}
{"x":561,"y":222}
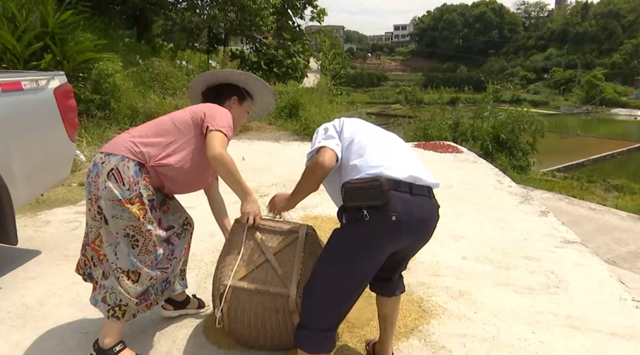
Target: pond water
{"x":624,"y":167}
{"x":594,"y":125}
{"x":558,"y":148}
{"x":569,"y":138}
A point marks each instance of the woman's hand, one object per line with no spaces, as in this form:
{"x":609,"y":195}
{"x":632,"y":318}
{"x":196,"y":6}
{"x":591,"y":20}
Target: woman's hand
{"x":250,"y":211}
{"x":226,"y":168}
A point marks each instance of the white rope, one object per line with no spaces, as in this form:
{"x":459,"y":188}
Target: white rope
{"x":285,"y":216}
{"x":218,"y":312}
{"x":224,"y":297}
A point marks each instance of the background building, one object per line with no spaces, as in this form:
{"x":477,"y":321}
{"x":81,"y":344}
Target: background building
{"x":400,"y":36}
{"x":385,"y":38}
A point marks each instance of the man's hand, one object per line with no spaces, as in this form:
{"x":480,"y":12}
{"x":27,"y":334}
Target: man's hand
{"x":250,"y":211}
{"x":313,"y":175}
{"x":281,"y":203}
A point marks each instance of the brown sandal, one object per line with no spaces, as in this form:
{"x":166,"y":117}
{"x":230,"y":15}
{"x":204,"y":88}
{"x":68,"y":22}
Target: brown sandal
{"x":114,"y":350}
{"x":370,"y":347}
{"x":180,"y":308}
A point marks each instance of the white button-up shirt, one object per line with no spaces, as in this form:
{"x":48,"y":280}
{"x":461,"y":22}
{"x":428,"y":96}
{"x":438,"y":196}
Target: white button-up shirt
{"x":366,"y":150}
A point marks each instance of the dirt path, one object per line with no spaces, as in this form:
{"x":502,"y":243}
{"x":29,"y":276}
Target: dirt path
{"x":313,"y":75}
{"x":509,"y":277}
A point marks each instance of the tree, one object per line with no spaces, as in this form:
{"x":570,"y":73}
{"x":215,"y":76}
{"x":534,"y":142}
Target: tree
{"x":535,"y":15}
{"x":278,"y":48}
{"x":138,"y":15}
{"x":613,"y":23}
{"x":210,"y":24}
{"x":44,"y":35}
{"x":458,"y":31}
{"x":625,"y":63}
{"x":281,"y":51}
{"x":332,"y":59}
{"x":441,"y":32}
{"x":355,"y":37}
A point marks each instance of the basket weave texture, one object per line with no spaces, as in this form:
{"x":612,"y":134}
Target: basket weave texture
{"x":262,"y":305}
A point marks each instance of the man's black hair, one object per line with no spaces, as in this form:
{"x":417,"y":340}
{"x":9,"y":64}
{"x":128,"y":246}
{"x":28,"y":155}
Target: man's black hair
{"x":220,"y":94}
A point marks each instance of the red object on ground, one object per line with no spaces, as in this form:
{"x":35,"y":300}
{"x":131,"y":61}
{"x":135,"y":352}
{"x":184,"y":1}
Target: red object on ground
{"x":438,"y":147}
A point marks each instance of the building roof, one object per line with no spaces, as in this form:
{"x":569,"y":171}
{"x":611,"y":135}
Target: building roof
{"x":312,"y":27}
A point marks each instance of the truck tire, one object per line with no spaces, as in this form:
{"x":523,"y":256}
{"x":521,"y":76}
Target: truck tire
{"x":8,"y":229}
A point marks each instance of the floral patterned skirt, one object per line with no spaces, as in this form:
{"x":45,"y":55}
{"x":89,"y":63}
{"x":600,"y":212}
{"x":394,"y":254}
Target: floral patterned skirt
{"x":137,"y":239}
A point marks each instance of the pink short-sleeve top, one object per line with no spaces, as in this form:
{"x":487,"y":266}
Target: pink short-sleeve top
{"x":173,"y":147}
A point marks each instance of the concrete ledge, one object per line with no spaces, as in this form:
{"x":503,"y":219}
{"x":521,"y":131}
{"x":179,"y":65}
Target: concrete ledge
{"x":509,"y":277}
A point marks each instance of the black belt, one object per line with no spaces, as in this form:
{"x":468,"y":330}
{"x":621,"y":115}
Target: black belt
{"x":410,"y":188}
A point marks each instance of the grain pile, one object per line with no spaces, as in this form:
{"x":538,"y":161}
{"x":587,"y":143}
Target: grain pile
{"x":438,"y":147}
{"x":362,"y":321}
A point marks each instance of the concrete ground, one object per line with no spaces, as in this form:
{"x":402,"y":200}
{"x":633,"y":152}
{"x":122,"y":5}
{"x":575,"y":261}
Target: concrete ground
{"x":613,"y":235}
{"x":509,"y":276}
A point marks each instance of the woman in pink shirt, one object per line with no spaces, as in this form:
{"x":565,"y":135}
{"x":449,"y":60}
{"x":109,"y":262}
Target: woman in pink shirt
{"x":137,"y":238}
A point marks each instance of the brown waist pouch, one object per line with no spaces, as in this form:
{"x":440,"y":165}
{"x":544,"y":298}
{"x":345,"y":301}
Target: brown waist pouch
{"x":366,"y":192}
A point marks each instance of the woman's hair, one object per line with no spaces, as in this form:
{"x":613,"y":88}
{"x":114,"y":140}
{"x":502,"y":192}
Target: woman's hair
{"x":220,"y":94}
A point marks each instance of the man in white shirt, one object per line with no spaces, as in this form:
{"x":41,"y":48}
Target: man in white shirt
{"x":387,"y":212}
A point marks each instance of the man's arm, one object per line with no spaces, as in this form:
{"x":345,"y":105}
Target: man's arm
{"x":314,"y":174}
{"x":317,"y":170}
{"x":218,"y":208}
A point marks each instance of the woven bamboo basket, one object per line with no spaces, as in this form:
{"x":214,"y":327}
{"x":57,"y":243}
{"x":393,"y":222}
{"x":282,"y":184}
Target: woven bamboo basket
{"x":261,"y":306}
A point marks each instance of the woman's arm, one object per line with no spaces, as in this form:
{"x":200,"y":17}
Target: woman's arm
{"x":218,"y":208}
{"x":217,"y":154}
{"x":225,"y":167}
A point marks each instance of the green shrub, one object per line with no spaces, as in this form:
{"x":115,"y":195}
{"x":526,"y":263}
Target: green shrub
{"x":596,"y":91}
{"x":562,"y":81}
{"x":366,"y":78}
{"x":116,"y":98}
{"x":45,"y":35}
{"x":516,"y":98}
{"x":505,"y":138}
{"x":162,"y":77}
{"x":107,"y":88}
{"x":458,"y":80}
{"x":538,"y":88}
{"x":302,"y":110}
{"x":404,"y":52}
{"x":411,"y":96}
{"x":384,"y":94}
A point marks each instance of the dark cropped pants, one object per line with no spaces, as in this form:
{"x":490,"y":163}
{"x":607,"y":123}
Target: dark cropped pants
{"x":372,"y":248}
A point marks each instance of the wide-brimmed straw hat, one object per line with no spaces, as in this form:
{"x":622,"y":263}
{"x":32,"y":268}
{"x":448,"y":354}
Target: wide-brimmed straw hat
{"x":264,"y":99}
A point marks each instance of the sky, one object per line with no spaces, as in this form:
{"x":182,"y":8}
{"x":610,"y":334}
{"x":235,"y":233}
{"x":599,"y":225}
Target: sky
{"x":378,"y":16}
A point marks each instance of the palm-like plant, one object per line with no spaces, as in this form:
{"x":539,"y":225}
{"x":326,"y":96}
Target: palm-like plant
{"x":45,"y":35}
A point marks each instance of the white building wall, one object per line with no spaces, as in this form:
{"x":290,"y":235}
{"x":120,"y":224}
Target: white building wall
{"x":401,"y":32}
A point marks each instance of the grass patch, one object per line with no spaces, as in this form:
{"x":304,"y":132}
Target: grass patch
{"x":622,"y":195}
{"x":417,"y":78}
{"x":259,"y":127}
{"x":361,"y":323}
{"x":302,"y":110}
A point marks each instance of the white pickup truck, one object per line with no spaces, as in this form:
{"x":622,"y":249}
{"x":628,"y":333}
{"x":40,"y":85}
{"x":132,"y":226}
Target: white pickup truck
{"x":38,"y":130}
